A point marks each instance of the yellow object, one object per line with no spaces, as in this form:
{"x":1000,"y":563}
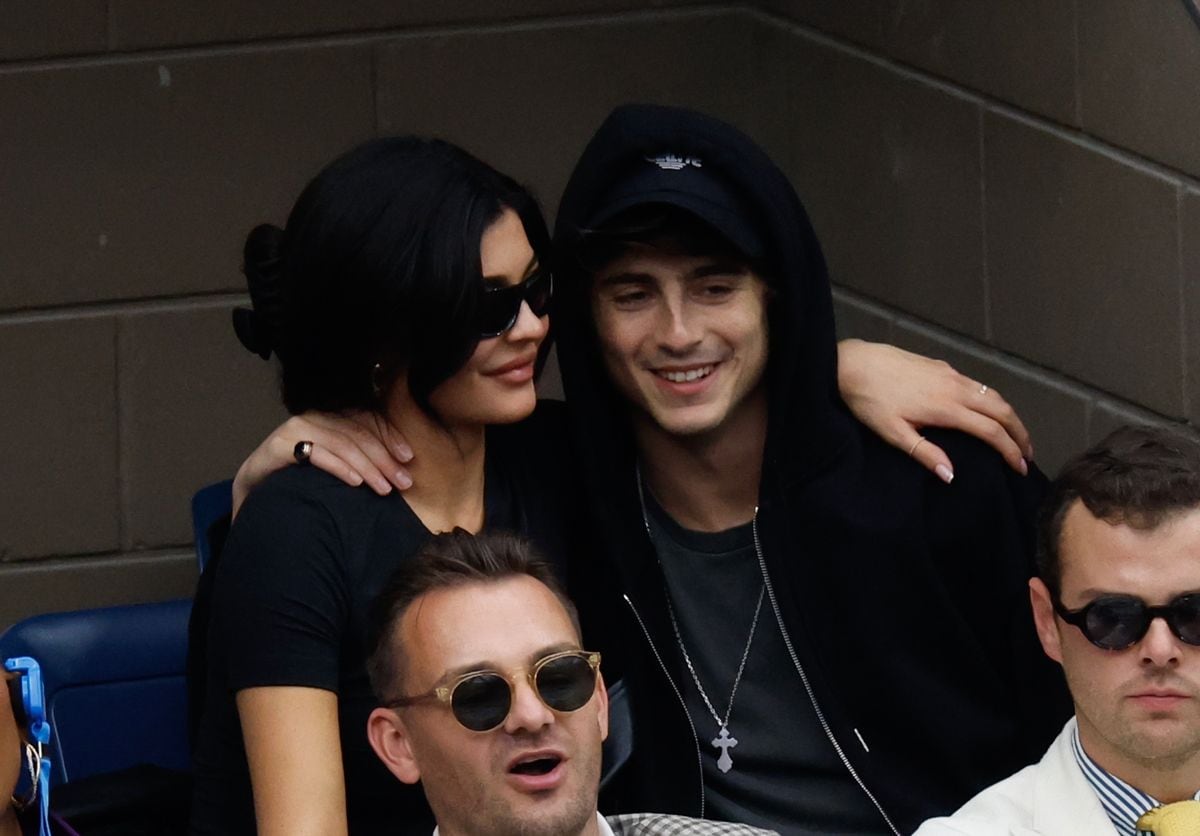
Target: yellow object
{"x":1179,"y":819}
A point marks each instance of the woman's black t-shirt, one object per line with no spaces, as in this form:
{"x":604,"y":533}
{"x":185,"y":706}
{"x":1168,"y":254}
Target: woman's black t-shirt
{"x":291,"y":596}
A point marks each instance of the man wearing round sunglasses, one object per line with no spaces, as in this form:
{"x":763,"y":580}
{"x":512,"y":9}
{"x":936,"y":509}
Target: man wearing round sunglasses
{"x":488,"y":699}
{"x":1117,"y":604}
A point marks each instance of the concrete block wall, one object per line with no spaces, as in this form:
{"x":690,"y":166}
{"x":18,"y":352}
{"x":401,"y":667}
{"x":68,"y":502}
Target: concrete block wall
{"x":1014,"y":187}
{"x":1011,"y":186}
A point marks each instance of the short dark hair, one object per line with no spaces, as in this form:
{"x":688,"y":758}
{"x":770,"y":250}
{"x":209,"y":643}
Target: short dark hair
{"x":378,"y":273}
{"x":447,"y":560}
{"x":1137,"y":476}
{"x":657,"y":226}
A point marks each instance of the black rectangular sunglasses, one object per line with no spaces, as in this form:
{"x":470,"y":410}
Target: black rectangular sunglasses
{"x":500,"y":306}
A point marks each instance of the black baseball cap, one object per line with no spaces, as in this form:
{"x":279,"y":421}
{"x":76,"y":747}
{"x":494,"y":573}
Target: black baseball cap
{"x":684,"y":182}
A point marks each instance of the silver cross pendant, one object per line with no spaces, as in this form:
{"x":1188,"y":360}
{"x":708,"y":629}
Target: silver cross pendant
{"x":724,"y":742}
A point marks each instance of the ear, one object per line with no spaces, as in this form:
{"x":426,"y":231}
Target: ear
{"x":602,"y":707}
{"x":390,"y":740}
{"x":1045,"y":620}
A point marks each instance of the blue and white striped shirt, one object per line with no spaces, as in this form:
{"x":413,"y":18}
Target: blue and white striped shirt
{"x":1123,"y":804}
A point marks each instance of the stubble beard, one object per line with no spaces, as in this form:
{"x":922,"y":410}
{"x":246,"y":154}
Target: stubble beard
{"x":495,"y":816}
{"x":570,"y":821}
{"x":1167,"y":749}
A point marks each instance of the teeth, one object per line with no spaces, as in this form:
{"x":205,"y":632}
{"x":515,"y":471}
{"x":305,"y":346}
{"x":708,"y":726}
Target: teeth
{"x":688,"y":376}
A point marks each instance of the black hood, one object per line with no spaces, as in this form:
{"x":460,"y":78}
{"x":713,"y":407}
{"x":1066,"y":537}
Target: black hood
{"x":808,"y":425}
{"x":904,"y":599}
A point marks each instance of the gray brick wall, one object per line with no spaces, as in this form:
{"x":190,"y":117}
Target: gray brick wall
{"x":1012,"y":186}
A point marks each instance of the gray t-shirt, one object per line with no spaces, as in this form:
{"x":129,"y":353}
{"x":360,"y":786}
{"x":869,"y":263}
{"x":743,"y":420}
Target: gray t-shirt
{"x":784,"y":769}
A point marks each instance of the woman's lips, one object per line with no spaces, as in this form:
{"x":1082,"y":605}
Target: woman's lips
{"x":517,"y":371}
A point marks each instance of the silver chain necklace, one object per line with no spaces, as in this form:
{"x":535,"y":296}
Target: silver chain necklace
{"x":723,"y":741}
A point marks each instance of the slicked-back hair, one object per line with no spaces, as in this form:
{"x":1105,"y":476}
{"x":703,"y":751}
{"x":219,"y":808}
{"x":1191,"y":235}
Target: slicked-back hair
{"x":447,"y":560}
{"x":378,"y":273}
{"x":1136,"y":476}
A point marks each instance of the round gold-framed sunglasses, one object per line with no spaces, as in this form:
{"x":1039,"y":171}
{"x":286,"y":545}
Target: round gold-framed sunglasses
{"x":481,"y":700}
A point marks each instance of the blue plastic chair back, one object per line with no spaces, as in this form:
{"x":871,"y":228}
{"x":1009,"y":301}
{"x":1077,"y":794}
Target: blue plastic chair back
{"x":114,"y":681}
{"x":209,"y":504}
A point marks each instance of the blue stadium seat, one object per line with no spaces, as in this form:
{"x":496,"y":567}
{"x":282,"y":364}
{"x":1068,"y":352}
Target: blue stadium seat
{"x":114,"y":681}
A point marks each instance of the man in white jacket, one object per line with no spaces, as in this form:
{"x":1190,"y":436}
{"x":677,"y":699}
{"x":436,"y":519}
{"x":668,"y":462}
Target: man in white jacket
{"x":1117,"y":604}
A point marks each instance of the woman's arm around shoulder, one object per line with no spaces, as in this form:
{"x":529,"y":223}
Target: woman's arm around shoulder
{"x":897,"y":394}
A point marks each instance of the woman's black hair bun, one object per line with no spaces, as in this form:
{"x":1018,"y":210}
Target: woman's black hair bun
{"x":259,"y":329}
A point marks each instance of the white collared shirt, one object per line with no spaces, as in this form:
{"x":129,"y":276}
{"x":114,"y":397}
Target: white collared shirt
{"x":1123,"y":802}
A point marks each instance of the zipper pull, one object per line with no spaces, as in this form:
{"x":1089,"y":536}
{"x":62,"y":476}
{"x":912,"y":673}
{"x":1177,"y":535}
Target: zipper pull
{"x":866,"y":748}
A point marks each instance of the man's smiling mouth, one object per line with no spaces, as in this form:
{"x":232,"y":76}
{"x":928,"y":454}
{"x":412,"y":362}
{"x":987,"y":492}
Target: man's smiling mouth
{"x":686,"y":376}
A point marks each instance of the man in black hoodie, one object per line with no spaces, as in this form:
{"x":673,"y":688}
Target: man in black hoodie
{"x":819,"y":636}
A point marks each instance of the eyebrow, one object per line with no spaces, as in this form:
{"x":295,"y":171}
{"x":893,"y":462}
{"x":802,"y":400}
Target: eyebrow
{"x":624,"y":278}
{"x":705,"y":270}
{"x":1093,"y":594}
{"x":478,"y":667}
{"x":530,"y":269}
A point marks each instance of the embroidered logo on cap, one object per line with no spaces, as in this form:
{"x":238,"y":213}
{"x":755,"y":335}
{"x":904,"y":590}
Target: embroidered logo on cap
{"x":674,"y":162}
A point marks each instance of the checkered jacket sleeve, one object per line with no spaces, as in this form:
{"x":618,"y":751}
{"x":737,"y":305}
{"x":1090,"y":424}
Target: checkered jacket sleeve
{"x":655,"y":824}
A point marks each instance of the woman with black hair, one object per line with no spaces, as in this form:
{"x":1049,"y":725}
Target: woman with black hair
{"x":409,"y":285}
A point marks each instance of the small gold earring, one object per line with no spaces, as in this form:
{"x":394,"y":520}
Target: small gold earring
{"x":376,"y":373}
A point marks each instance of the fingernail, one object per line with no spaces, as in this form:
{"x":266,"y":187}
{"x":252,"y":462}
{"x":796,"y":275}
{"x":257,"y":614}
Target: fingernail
{"x":356,"y":479}
{"x":404,"y":452}
{"x":944,"y":473}
{"x":1024,"y":468}
{"x":403,"y":481}
{"x":1029,"y":455}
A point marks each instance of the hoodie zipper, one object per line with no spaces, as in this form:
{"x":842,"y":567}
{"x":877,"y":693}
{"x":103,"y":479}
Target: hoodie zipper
{"x":791,"y":649}
{"x":675,"y":688}
{"x":812,"y":697}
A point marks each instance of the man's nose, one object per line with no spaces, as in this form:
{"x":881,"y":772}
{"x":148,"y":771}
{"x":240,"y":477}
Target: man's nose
{"x":528,"y":712}
{"x":1159,"y":647}
{"x":678,"y":326}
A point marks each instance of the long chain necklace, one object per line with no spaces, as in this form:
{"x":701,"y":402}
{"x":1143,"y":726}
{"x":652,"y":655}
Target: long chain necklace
{"x":723,"y":741}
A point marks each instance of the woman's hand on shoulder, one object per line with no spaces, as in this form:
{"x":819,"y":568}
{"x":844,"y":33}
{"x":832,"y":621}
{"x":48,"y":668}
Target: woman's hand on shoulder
{"x":896,"y":393}
{"x":355,"y":447}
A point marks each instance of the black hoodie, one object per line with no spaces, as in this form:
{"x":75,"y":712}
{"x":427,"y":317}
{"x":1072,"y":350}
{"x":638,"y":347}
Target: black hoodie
{"x":903,"y":601}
